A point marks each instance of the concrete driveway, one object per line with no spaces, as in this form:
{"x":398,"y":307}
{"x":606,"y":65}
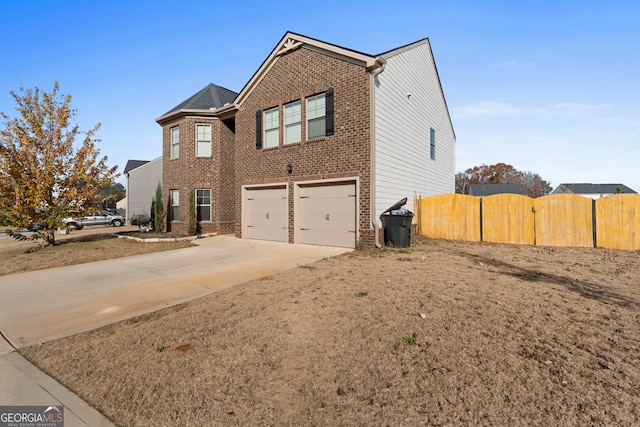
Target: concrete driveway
{"x":48,"y":304}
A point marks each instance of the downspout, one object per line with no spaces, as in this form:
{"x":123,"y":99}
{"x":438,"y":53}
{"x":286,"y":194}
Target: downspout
{"x":374,"y":221}
{"x":127,"y":221}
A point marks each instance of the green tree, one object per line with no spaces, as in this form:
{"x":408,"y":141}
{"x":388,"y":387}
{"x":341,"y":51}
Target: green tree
{"x":193,"y":220}
{"x":157,"y":211}
{"x":43,"y":176}
{"x":152,"y":216}
{"x":113,"y":190}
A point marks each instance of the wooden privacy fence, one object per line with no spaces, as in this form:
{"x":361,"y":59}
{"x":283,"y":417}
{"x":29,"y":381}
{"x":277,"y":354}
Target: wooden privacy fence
{"x":559,"y":220}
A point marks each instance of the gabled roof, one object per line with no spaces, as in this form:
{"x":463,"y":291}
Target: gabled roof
{"x":205,"y":101}
{"x":593,"y":189}
{"x":219,"y":102}
{"x":292,"y":41}
{"x":482,"y":190}
{"x":132,"y":164}
{"x":135,"y":164}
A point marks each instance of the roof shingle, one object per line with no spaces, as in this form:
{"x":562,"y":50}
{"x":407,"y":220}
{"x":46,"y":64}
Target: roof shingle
{"x":211,"y":96}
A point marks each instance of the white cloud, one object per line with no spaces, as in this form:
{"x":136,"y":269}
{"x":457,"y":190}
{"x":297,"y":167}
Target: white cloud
{"x":503,"y":109}
{"x":571,"y":149}
{"x":573,"y":108}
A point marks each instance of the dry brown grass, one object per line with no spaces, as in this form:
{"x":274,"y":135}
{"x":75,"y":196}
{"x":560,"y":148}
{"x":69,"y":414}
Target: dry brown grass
{"x":444,"y":333}
{"x":86,"y":245}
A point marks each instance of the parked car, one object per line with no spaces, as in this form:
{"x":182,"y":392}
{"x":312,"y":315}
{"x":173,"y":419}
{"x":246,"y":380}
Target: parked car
{"x":38,"y":226}
{"x":98,"y":218}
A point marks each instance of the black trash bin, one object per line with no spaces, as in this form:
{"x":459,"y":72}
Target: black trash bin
{"x":396,"y":222}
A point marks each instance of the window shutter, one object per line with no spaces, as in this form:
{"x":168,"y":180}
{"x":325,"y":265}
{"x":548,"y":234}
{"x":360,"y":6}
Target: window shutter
{"x":329,"y":111}
{"x":258,"y":129}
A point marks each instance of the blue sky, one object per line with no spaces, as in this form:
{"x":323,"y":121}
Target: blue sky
{"x":549,"y":87}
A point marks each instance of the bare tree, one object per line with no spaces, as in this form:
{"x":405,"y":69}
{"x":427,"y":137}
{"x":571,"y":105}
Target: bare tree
{"x":501,"y":173}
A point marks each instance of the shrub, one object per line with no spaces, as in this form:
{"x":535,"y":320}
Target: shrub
{"x":193,"y":222}
{"x":140,"y":219}
{"x":158,"y":210}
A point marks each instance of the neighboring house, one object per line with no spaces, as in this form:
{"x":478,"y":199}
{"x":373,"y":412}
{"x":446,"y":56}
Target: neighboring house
{"x":315,"y":147}
{"x":121,"y":207}
{"x":593,"y":191}
{"x":143,"y":177}
{"x":483,"y":190}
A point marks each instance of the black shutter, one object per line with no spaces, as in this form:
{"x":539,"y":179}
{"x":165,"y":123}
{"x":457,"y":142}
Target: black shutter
{"x":258,"y":129}
{"x":329,"y":110}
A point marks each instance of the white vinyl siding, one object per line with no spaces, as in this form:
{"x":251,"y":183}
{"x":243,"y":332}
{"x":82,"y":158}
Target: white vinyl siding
{"x":141,"y":187}
{"x":293,"y":122}
{"x":408,"y":103}
{"x":175,"y":142}
{"x":203,"y":140}
{"x":271,"y":128}
{"x":316,"y":116}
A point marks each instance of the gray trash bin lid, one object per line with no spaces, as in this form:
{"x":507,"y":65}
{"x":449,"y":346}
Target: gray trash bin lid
{"x":396,"y":206}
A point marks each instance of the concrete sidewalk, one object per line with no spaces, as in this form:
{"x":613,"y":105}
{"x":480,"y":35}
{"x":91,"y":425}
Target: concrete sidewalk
{"x":43,"y":305}
{"x":23,"y":384}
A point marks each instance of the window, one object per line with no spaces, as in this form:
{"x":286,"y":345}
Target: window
{"x":316,"y":115}
{"x":272,"y":128}
{"x":175,"y":142}
{"x":319,"y":121}
{"x":203,"y":205}
{"x":292,"y":122}
{"x":432,"y":143}
{"x":203,"y":140}
{"x":175,"y":204}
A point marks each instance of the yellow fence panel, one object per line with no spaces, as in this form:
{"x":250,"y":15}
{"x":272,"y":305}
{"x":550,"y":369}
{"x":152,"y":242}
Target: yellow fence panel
{"x":508,"y":218}
{"x":618,"y":222}
{"x":564,"y":220}
{"x":557,"y":220}
{"x":450,"y":216}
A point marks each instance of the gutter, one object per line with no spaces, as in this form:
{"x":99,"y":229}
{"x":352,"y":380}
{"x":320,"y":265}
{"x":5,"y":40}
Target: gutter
{"x":375,"y":73}
{"x":225,"y":110}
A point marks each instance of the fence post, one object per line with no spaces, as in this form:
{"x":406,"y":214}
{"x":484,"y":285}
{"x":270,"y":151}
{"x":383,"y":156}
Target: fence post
{"x":594,"y":223}
{"x":481,"y":224}
{"x":416,"y":208}
{"x":533,"y":211}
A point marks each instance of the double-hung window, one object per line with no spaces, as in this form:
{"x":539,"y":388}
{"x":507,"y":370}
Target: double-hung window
{"x":432,"y":143}
{"x":175,"y":142}
{"x":203,"y":205}
{"x":316,"y":116}
{"x":318,"y":111}
{"x":203,"y":140}
{"x":174,"y":196}
{"x":272,"y":128}
{"x":293,"y":122}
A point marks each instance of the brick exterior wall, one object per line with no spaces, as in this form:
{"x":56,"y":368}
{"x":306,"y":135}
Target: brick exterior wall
{"x":189,"y":172}
{"x":297,"y":75}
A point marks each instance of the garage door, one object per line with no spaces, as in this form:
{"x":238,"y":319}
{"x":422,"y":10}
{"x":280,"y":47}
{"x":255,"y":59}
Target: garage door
{"x":328,"y":215}
{"x":266,"y":214}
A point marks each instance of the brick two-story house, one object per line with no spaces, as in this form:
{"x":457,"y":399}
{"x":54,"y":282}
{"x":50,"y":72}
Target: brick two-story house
{"x":318,"y":144}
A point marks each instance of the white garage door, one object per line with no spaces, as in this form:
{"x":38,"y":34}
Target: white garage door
{"x":328,"y":215}
{"x":266,"y":214}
